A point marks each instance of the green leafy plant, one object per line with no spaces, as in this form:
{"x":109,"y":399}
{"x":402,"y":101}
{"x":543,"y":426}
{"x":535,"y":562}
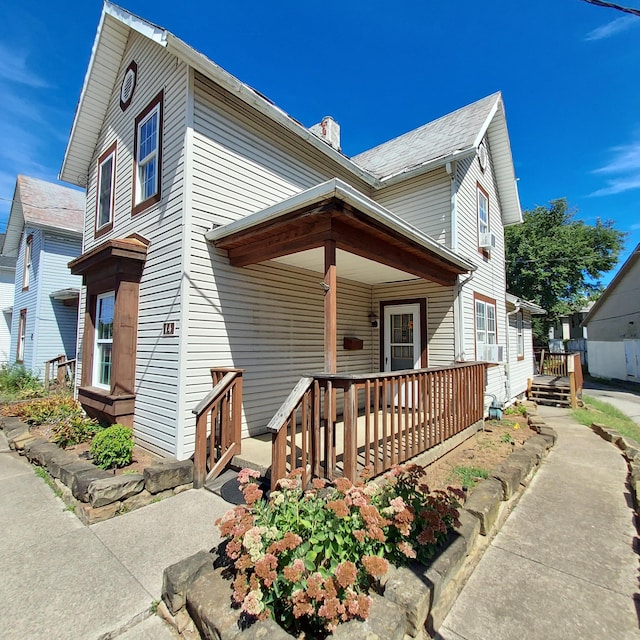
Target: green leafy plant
{"x":69,"y":423}
{"x":112,"y":447}
{"x":469,"y":476}
{"x":18,"y":382}
{"x":506,"y":438}
{"x":308,"y":559}
{"x":516,"y":409}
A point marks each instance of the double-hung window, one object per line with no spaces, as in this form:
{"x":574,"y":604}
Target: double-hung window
{"x":148,"y":155}
{"x":22,"y":335}
{"x":26,"y":267}
{"x":483,"y":213}
{"x":486,"y":333}
{"x":106,"y":189}
{"x":102,"y":353}
{"x":520,"y":335}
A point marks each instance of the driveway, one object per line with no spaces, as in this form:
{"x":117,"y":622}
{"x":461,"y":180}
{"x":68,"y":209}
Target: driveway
{"x":623,"y":399}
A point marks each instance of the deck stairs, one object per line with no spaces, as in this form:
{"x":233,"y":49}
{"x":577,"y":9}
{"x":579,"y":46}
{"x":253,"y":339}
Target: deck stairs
{"x":550,"y":390}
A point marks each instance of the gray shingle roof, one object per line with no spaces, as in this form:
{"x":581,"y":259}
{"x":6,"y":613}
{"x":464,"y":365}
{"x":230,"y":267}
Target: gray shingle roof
{"x":51,"y":205}
{"x":439,"y":138}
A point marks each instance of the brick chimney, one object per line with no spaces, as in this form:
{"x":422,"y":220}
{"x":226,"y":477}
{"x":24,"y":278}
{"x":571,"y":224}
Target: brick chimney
{"x":329,"y":131}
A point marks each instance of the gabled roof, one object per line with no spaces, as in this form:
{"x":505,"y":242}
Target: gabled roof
{"x":37,"y":203}
{"x":617,"y":279}
{"x":457,"y":135}
{"x":454,"y":136}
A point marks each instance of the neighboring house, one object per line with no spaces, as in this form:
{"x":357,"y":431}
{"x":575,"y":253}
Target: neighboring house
{"x":568,"y":334}
{"x":614,"y":325}
{"x":7,"y":277}
{"x":520,"y":359}
{"x":44,"y":232}
{"x":220,"y":232}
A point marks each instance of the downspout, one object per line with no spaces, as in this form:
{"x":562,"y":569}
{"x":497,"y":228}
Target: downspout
{"x":458,"y":315}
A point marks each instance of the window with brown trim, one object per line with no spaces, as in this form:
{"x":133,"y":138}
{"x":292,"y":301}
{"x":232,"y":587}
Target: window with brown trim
{"x":147,"y":178}
{"x":105,"y":197}
{"x":111,"y":273}
{"x":22,"y":335}
{"x":26,"y":266}
{"x":484,"y":227}
{"x":486,"y":325}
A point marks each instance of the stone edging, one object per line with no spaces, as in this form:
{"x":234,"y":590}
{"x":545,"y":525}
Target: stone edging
{"x":414,"y":600}
{"x":630,"y":450}
{"x":94,"y":493}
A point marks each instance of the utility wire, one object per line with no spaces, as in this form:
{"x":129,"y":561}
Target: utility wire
{"x":612,"y":5}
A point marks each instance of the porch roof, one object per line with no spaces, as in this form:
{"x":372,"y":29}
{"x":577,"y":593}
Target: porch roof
{"x":373,"y":244}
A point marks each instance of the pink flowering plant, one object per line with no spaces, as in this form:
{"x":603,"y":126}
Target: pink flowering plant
{"x":308,"y":558}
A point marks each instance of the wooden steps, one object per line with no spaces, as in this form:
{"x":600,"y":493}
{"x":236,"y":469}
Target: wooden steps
{"x":550,"y":390}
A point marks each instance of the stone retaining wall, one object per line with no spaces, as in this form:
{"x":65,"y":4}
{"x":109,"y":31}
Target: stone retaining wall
{"x":414,"y":600}
{"x":630,"y":450}
{"x":95,"y":493}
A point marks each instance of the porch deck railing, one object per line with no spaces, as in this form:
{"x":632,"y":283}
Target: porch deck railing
{"x":562,"y":365}
{"x":218,"y":425}
{"x":387,"y":418}
{"x":59,"y":370}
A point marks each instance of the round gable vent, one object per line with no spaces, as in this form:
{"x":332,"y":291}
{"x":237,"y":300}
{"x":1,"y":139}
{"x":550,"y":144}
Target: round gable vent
{"x":128,"y":85}
{"x":482,"y":156}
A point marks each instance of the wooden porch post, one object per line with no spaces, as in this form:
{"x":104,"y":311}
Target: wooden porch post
{"x":330,"y":307}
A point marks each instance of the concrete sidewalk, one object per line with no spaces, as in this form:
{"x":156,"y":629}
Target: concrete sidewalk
{"x":60,"y":579}
{"x":563,"y":565}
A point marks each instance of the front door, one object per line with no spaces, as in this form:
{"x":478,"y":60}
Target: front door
{"x":402,"y":345}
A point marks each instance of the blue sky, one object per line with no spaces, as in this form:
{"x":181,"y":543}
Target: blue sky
{"x":568,"y":72}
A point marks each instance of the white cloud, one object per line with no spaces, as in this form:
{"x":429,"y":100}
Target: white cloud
{"x":612,"y":28}
{"x":623,"y":170}
{"x":13,"y":67}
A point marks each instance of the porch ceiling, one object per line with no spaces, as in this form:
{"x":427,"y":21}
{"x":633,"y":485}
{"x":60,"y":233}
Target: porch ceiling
{"x":373,"y":245}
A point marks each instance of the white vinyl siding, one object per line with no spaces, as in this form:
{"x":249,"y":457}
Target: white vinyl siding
{"x":520,"y":369}
{"x":157,"y":357}
{"x":424,"y":202}
{"x":7,"y":284}
{"x":489,"y":278}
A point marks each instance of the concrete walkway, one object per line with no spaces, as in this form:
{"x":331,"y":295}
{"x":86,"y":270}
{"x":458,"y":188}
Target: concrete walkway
{"x":563,"y":566}
{"x":60,"y":579}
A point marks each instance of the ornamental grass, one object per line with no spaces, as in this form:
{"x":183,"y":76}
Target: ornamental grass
{"x":309,"y":558}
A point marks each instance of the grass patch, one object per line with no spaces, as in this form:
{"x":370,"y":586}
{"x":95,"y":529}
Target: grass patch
{"x":606,"y":414}
{"x":42,"y":473}
{"x":469,"y":476}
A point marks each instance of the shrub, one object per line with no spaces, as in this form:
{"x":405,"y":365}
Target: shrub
{"x":113,"y":447}
{"x":16,"y":381}
{"x":309,"y":558}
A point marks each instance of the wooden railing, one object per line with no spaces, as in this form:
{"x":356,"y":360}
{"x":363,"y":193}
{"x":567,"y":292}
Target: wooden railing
{"x":562,"y":365}
{"x":218,"y":425}
{"x":59,"y":370}
{"x":387,"y":418}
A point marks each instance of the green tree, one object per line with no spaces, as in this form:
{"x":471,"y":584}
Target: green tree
{"x":556,"y":261}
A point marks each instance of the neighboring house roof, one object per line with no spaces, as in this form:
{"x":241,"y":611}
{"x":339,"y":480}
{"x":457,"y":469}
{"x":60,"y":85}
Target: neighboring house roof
{"x":37,"y":203}
{"x":617,"y":279}
{"x":452,"y":137}
{"x":532,"y":307}
{"x":6,"y":262}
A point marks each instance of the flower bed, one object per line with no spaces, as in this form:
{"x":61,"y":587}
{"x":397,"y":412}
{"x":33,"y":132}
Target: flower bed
{"x":309,"y":558}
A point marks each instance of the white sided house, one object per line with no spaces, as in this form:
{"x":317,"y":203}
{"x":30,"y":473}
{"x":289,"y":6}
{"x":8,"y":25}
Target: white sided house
{"x":7,"y":279}
{"x":223,"y":238}
{"x":44,"y":232}
{"x":613,"y":323}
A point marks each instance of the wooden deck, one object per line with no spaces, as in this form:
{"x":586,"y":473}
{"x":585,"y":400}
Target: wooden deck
{"x":550,"y":390}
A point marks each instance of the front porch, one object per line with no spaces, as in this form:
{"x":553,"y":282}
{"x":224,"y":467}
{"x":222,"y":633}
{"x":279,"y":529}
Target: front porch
{"x":558,"y":380}
{"x":337,"y":422}
{"x":339,"y":425}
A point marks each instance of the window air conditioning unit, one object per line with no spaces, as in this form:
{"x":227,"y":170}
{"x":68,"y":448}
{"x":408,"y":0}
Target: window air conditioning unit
{"x":492,"y":353}
{"x":488,"y":240}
